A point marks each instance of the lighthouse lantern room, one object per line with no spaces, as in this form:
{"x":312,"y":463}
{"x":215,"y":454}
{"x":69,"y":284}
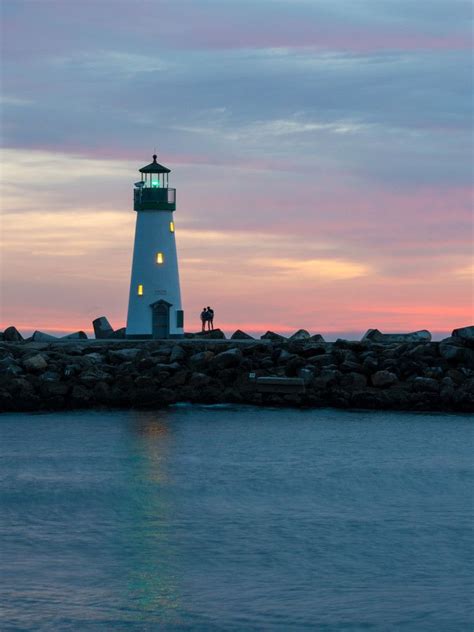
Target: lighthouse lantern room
{"x":154,"y":307}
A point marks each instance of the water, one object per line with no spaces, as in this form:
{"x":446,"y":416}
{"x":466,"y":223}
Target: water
{"x":236,"y":518}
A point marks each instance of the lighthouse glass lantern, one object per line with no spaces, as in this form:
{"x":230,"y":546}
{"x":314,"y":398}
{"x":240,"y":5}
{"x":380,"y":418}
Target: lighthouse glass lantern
{"x":154,"y":307}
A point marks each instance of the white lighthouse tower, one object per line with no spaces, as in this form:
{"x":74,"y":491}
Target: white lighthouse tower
{"x":154,"y":307}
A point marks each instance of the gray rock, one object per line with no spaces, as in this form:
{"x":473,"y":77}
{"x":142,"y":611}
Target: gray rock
{"x":353,"y":381}
{"x":81,"y":395}
{"x":94,"y":358}
{"x":466,"y":334}
{"x":227,"y":359}
{"x":241,"y":335}
{"x":316,"y":338}
{"x":201,"y":359}
{"x":50,"y":376}
{"x":271,"y":335}
{"x":102,"y":328}
{"x":382,"y":379}
{"x":122,"y":355}
{"x":11,"y":334}
{"x":425,"y":384}
{"x":452,"y":349}
{"x":39,"y":336}
{"x":119,"y":334}
{"x":178,"y":354}
{"x":9,"y":367}
{"x":35,"y":363}
{"x":306,"y":374}
{"x":374,"y":335}
{"x":199,"y":379}
{"x":301,"y":334}
{"x":216,"y":334}
{"x":77,"y":335}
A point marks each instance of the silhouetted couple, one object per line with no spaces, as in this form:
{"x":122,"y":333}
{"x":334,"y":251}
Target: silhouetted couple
{"x":207,"y":316}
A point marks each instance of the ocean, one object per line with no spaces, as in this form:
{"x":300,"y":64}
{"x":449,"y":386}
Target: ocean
{"x":236,"y":518}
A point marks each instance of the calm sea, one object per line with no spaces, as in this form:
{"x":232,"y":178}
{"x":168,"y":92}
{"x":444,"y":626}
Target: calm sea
{"x":236,"y":518}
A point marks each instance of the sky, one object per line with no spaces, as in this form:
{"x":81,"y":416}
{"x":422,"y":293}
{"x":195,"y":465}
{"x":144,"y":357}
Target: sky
{"x":322,"y":152}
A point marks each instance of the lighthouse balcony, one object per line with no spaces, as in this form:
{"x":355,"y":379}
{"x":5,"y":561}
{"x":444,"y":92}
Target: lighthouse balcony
{"x":154,"y":199}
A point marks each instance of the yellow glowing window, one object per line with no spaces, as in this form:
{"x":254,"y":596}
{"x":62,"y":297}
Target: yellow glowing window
{"x":159,"y":257}
{"x":171,"y":227}
{"x":140,"y":290}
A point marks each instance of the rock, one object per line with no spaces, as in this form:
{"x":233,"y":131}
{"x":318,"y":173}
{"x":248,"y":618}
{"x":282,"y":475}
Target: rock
{"x":306,"y":374}
{"x":374,"y":335}
{"x":353,"y":381}
{"x":215,"y":334}
{"x":35,"y":363}
{"x":425,"y":384}
{"x":122,"y":355}
{"x":270,"y":335}
{"x":178,"y":354}
{"x":313,"y":350}
{"x":120,"y":334}
{"x":301,"y":334}
{"x":452,"y":349}
{"x":241,"y":335}
{"x":201,"y":359}
{"x":199,"y":379}
{"x":81,"y":395}
{"x":316,"y":338}
{"x":382,"y":379}
{"x":9,"y":367}
{"x":94,"y":358}
{"x":466,"y":334}
{"x":227,"y":359}
{"x":77,"y":335}
{"x":102,"y":328}
{"x":11,"y":334}
{"x":39,"y":336}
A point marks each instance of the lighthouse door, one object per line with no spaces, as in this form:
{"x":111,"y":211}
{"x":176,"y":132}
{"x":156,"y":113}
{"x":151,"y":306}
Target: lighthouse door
{"x":160,"y":319}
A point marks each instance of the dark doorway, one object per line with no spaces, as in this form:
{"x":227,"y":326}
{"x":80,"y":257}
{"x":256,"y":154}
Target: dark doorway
{"x":160,"y":319}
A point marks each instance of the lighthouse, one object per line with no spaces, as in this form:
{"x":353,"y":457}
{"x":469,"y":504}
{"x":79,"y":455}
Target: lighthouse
{"x":154,"y":306}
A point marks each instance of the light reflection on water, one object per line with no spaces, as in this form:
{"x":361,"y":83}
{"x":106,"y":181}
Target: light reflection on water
{"x":235,"y":518}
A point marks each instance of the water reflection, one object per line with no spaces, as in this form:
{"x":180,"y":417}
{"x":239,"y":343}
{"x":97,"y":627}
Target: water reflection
{"x":152,"y":583}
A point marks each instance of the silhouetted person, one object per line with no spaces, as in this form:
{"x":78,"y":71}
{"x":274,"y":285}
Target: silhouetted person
{"x":210,"y":317}
{"x":204,"y":318}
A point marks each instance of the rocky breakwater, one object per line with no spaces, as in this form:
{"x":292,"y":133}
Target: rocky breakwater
{"x":371,"y":373}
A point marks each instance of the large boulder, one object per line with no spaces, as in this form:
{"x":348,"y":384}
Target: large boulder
{"x":452,"y":349}
{"x":39,"y":336}
{"x":316,"y":338}
{"x":227,"y":359}
{"x":11,"y":334}
{"x":383,"y":379}
{"x":123,"y":355}
{"x":77,"y":335}
{"x":102,"y":328}
{"x":240,"y":335}
{"x":35,"y":363}
{"x":301,"y":334}
{"x":215,"y":334}
{"x":271,"y":335}
{"x":465,"y":334}
{"x":374,"y":335}
{"x":119,"y":334}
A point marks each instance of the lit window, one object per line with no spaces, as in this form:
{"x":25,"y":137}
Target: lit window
{"x":140,"y":290}
{"x":159,"y":257}
{"x":171,"y":227}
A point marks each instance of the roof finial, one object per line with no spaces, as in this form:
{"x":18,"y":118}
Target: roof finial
{"x":154,"y":157}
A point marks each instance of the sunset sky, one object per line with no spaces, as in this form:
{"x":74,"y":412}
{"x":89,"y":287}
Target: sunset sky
{"x":321,"y":151}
